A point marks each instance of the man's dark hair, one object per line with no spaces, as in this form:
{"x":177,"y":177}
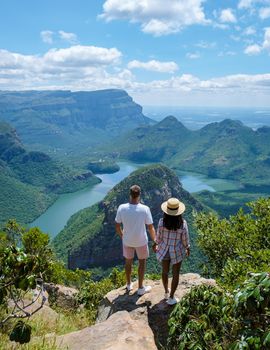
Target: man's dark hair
{"x":135,"y":191}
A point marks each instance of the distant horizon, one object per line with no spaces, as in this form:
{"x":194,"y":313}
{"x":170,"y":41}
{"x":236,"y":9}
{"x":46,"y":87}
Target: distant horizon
{"x":142,"y":104}
{"x":197,"y":107}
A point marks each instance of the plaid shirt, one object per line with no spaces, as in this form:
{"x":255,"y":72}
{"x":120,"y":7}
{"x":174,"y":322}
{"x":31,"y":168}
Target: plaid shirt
{"x":175,"y":242}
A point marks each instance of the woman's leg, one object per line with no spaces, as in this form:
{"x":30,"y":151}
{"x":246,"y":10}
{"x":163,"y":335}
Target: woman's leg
{"x":165,"y":273}
{"x":175,"y":279}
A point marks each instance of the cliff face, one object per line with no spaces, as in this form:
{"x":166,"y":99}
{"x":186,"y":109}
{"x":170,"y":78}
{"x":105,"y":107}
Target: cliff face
{"x":10,"y":145}
{"x":99,"y":245}
{"x":56,"y":118}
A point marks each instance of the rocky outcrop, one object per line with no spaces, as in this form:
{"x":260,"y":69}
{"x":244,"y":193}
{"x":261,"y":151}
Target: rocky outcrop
{"x":151,"y":308}
{"x":95,"y":243}
{"x":125,"y":320}
{"x":61,"y":296}
{"x":119,"y":332}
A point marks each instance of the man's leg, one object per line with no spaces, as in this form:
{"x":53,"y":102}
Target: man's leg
{"x":128,"y":270}
{"x":142,"y":254}
{"x":141,"y":270}
{"x":128,"y":253}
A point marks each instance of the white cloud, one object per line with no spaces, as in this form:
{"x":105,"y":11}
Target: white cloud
{"x":235,"y":37}
{"x":47,"y":36}
{"x":250,"y":4}
{"x":157,"y":27}
{"x":266,"y":43}
{"x":264,"y":12}
{"x":193,"y":55}
{"x":70,"y":37}
{"x":249,"y":31}
{"x":90,"y":68}
{"x":252,"y":50}
{"x":255,"y":49}
{"x":155,"y":66}
{"x":206,"y":45}
{"x":226,"y":53}
{"x":244,"y":4}
{"x":154,"y":17}
{"x":58,"y":67}
{"x":83,"y":56}
{"x":227,"y":16}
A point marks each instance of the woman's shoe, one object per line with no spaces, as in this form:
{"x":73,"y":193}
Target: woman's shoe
{"x":167,"y":295}
{"x":172,"y":301}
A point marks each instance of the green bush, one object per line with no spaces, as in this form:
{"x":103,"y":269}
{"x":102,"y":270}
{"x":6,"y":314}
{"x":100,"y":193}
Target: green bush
{"x":236,"y":245}
{"x":210,"y":318}
{"x":91,"y":293}
{"x":201,"y":320}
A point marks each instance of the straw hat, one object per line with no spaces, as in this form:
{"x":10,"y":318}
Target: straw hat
{"x":173,"y":207}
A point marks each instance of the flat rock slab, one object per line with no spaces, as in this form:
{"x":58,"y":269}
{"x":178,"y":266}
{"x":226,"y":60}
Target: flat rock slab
{"x":150,"y":308}
{"x":119,"y":332}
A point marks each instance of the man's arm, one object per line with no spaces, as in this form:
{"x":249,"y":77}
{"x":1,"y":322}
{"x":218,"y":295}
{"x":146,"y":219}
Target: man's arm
{"x":119,"y":230}
{"x":152,"y":232}
{"x":153,"y":236}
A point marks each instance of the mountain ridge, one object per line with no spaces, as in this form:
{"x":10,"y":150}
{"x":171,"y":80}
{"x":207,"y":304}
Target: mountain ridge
{"x":226,"y":149}
{"x":55,"y":120}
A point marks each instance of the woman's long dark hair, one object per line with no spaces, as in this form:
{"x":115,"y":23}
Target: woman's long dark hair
{"x":172,"y":223}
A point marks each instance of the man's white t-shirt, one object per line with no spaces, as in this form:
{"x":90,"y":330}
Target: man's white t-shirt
{"x":134,"y":217}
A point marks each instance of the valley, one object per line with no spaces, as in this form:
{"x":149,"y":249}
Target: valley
{"x":104,"y":136}
{"x":54,"y":219}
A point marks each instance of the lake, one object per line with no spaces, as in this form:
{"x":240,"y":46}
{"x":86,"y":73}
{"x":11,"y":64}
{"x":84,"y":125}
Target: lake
{"x":54,"y":219}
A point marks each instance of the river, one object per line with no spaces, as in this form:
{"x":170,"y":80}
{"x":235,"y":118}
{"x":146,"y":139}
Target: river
{"x":54,"y":219}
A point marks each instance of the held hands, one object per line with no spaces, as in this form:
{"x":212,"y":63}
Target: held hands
{"x":188,"y":252}
{"x":155,"y":247}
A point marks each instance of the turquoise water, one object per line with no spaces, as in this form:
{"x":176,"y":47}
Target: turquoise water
{"x":194,"y":182}
{"x":54,"y":219}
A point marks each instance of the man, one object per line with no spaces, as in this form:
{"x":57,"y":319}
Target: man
{"x":134,"y":217}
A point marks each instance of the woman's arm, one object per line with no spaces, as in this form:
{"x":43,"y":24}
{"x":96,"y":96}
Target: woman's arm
{"x":159,"y":231}
{"x":185,"y":237}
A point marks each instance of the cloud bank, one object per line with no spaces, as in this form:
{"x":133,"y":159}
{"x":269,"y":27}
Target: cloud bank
{"x":154,"y":17}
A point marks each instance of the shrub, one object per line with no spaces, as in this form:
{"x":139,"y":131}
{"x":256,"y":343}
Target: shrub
{"x":236,"y":245}
{"x":201,"y":320}
{"x":211,"y":318}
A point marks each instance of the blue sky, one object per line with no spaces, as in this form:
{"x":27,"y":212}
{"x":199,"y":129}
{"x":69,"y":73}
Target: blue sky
{"x":174,"y":52}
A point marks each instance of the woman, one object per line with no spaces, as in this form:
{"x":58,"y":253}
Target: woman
{"x":172,"y":244}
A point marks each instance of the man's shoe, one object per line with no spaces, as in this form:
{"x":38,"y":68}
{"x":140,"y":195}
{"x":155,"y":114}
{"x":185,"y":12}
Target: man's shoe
{"x":172,"y":301}
{"x":143,"y":290}
{"x":167,"y":295}
{"x":129,"y":287}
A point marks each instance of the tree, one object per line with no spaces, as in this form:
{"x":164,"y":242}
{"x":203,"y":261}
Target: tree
{"x":237,"y":245}
{"x":25,"y":261}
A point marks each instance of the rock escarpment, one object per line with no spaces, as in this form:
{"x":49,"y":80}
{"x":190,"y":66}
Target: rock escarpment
{"x":127,"y":321}
{"x":151,"y":308}
{"x":119,"y":332}
{"x":65,"y":119}
{"x":90,"y":234}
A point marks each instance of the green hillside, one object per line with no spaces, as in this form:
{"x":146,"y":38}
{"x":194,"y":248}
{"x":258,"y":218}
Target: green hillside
{"x":226,"y":150}
{"x":30,"y":181}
